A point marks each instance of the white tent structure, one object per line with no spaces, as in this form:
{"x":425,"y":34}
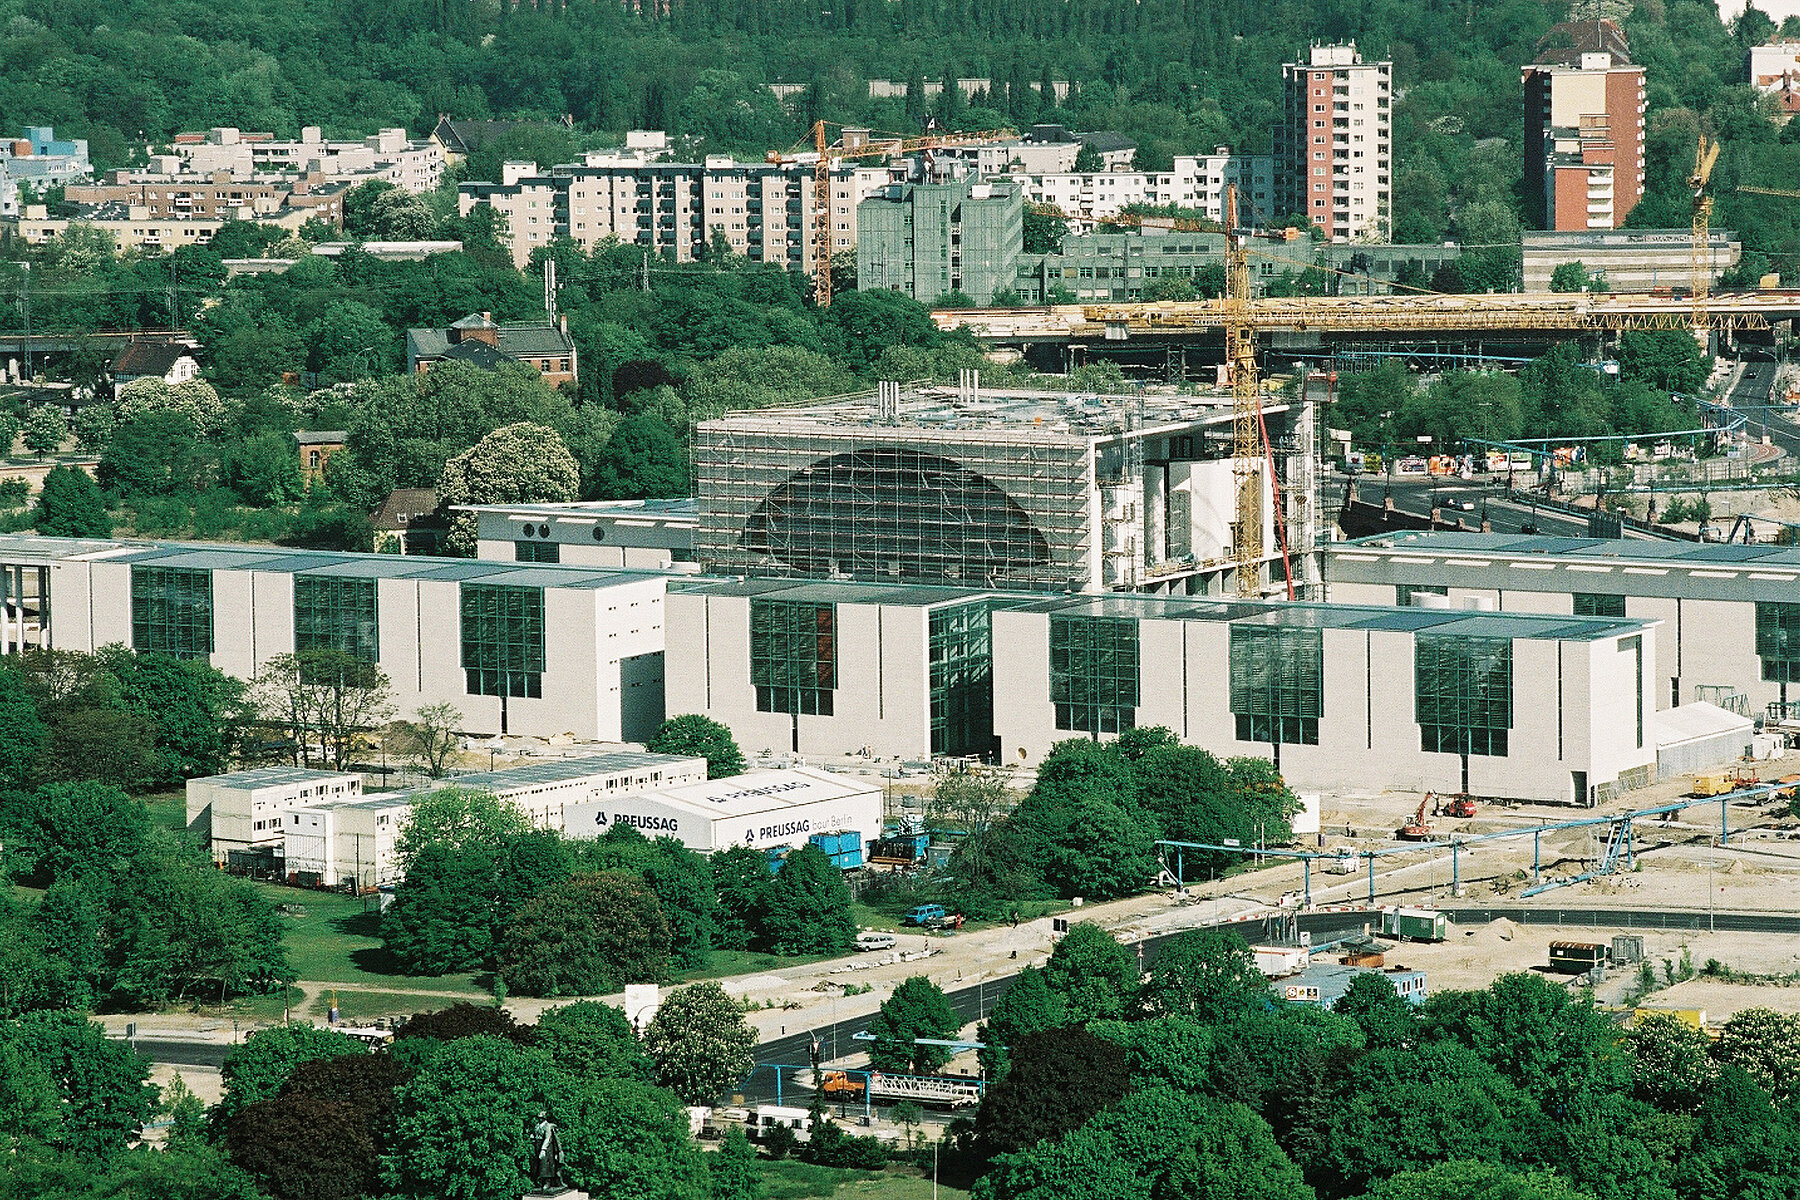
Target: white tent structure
{"x":762,"y":809}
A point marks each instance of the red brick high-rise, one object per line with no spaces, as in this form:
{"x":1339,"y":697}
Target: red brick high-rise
{"x":1584,"y":128}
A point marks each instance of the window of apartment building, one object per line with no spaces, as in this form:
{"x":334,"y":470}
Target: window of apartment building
{"x":1778,"y":641}
{"x":1596,"y":604}
{"x":538,"y":552}
{"x":793,"y":656}
{"x":1094,"y":673}
{"x":503,"y":639}
{"x":172,"y":610}
{"x":334,"y":613}
{"x":1462,"y":697}
{"x":962,"y":679}
{"x":1277,"y":684}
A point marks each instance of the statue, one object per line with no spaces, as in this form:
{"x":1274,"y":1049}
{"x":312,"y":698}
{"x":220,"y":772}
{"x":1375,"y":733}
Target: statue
{"x":546,"y":1156}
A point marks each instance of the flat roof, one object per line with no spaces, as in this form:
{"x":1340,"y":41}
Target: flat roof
{"x":760,"y":791}
{"x":555,"y":770}
{"x":264,"y":777}
{"x":1129,"y":606}
{"x":944,"y":411}
{"x":1611,"y":550}
{"x":682,"y":511}
{"x":217,"y":556}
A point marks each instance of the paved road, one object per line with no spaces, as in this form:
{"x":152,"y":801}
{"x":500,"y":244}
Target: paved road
{"x":1416,"y":496}
{"x":1632,"y":918}
{"x":182,"y":1053}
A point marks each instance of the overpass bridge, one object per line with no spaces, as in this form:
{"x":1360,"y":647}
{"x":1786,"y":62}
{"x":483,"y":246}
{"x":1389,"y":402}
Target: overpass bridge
{"x":1295,"y":323}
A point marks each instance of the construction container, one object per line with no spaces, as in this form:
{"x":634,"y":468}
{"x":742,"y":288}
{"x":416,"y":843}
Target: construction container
{"x":1364,"y":958}
{"x":838,"y":841}
{"x":1414,"y":924}
{"x":900,"y":849}
{"x":847,"y":860}
{"x":1576,"y":958}
{"x":1276,"y":961}
{"x":1627,"y":949}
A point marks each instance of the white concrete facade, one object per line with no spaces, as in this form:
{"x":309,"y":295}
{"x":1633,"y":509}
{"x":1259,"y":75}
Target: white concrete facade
{"x":654,"y":535}
{"x":1197,"y":181}
{"x":245,"y":809}
{"x":1704,"y":596}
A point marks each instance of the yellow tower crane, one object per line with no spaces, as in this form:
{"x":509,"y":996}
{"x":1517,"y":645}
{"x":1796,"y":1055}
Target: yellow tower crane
{"x":1706,"y":156}
{"x":823,"y":153}
{"x":1246,"y":403}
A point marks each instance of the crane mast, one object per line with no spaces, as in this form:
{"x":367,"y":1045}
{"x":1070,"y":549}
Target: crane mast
{"x":1246,"y":406}
{"x":1706,"y":156}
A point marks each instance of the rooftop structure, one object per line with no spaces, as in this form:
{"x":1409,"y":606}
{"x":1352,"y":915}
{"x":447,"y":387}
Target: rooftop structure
{"x":978,"y":487}
{"x":652,"y":534}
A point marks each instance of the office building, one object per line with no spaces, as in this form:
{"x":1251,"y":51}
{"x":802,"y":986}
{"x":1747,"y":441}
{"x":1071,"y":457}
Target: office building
{"x":926,"y":239}
{"x":43,"y":160}
{"x":980,"y":489}
{"x":1730,"y":615}
{"x":1334,"y":143}
{"x":654,"y":535}
{"x":1584,"y":128}
{"x":1339,"y":696}
{"x":1626,"y":260}
{"x":245,"y":812}
{"x":525,"y":648}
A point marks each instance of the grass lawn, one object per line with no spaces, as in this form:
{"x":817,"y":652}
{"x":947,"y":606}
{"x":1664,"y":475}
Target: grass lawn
{"x":167,"y":809}
{"x":338,"y":940}
{"x":790,"y":1180}
{"x":366,"y":1006}
{"x":726,"y":963}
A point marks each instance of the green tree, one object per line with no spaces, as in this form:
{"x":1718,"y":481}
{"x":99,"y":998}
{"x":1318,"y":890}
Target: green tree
{"x":1766,"y":1044}
{"x":643,"y":460}
{"x":592,"y":934}
{"x":1670,"y":1064}
{"x":1208,"y":975}
{"x":431,"y":735}
{"x":917,"y":1009}
{"x":264,"y":470}
{"x":735,"y":1173}
{"x":1095,"y":975}
{"x":1093,"y":847}
{"x":807,"y":906}
{"x":1029,"y":1006}
{"x":700,"y":1043}
{"x":860,"y":325}
{"x":1378,"y":1010}
{"x":1045,"y":229}
{"x":441,"y":919}
{"x":66,"y":828}
{"x":519,"y":463}
{"x":102,"y":1093}
{"x":1460,"y":1179}
{"x":193,"y":710}
{"x":1489,"y":233}
{"x":460,"y":818}
{"x":258,"y":1069}
{"x":70,"y":505}
{"x":154,"y":454}
{"x":698,"y":736}
{"x":1668,"y":359}
{"x":305,"y":1147}
{"x":462,"y":1123}
{"x":741,"y":882}
{"x":621,"y":1137}
{"x":1574,"y":277}
{"x":1057,"y":1080}
{"x":46,"y":430}
{"x":590,"y":1040}
{"x":22,"y":735}
{"x":324,"y":699}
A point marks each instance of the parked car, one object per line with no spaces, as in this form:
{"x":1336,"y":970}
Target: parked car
{"x":923,"y":915}
{"x":874,"y":940}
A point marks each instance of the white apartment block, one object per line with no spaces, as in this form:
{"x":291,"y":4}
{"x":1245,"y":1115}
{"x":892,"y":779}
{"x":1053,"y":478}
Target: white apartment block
{"x":1334,"y":144}
{"x":763,"y":209}
{"x":388,"y":155}
{"x":1198,"y":181}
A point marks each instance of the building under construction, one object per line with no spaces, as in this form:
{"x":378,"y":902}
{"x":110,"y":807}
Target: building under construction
{"x":1002,"y":488}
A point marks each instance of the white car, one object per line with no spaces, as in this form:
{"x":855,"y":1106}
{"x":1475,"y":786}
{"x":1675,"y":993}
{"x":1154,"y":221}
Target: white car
{"x":871,"y":940}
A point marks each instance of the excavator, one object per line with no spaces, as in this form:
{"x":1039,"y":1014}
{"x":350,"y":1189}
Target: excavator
{"x":1417,"y":829}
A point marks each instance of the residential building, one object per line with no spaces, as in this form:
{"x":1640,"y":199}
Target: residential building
{"x":925,"y":239}
{"x":640,"y":534}
{"x":1730,"y":615}
{"x":132,"y":227}
{"x":1334,"y":143}
{"x":1775,"y":71}
{"x":408,"y":522}
{"x":1584,"y":128}
{"x":219,"y":195}
{"x":171,"y":362}
{"x":976,"y":488}
{"x":43,"y":160}
{"x":388,"y":156}
{"x":316,"y":446}
{"x":525,"y":648}
{"x":1627,"y":260}
{"x":1507,"y":705}
{"x":763,"y":210}
{"x":1197,"y":182}
{"x":459,"y":139}
{"x":479,"y":340}
{"x":246,"y":811}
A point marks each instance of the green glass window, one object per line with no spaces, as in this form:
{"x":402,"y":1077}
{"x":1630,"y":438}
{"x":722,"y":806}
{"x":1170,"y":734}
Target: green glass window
{"x":1597,"y":604}
{"x":793,"y":656}
{"x":1778,"y":641}
{"x":962,"y":680}
{"x":1404,"y":592}
{"x":172,"y":610}
{"x":537,"y":551}
{"x":332,"y":613}
{"x":1462,"y":693}
{"x":1635,"y":646}
{"x":503,"y":640}
{"x":1094,"y":673}
{"x":1277,"y":684}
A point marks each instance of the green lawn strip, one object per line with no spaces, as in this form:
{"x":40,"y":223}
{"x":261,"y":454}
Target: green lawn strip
{"x":726,"y":963}
{"x":336,"y":939}
{"x":354,"y":1007}
{"x":167,"y":809}
{"x":790,"y":1180}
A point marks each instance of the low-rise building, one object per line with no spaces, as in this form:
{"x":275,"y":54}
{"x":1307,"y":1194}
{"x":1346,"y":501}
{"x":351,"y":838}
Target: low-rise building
{"x":246,"y":811}
{"x":388,"y":156}
{"x":762,"y":809}
{"x":1324,"y":984}
{"x":1775,"y":71}
{"x":132,"y":227}
{"x":171,"y":362}
{"x":1627,"y":260}
{"x":479,"y":340}
{"x":43,"y":160}
{"x":315,"y":447}
{"x":219,"y":195}
{"x":408,"y":522}
{"x":1519,"y":706}
{"x":648,"y":534}
{"x":1197,"y":182}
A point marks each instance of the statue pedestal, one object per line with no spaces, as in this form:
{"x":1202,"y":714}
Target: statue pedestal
{"x":567,"y":1193}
